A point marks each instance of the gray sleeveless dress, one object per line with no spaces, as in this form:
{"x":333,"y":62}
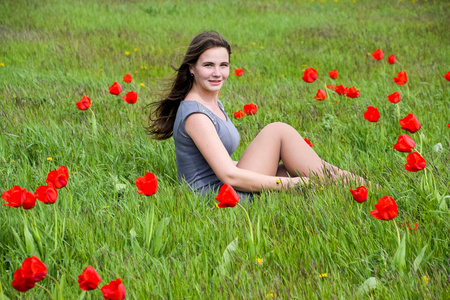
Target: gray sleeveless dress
{"x":191,"y":166}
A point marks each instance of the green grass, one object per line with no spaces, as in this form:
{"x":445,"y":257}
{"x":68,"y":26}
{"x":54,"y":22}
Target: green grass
{"x":54,"y":52}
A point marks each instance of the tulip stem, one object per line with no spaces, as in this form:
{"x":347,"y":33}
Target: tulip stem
{"x":48,"y":292}
{"x":398,"y":232}
{"x":249,"y":221}
{"x":56,"y":227}
{"x":53,"y":278}
{"x":151,"y":225}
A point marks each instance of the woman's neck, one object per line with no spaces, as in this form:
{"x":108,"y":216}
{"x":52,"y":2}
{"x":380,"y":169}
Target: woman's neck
{"x":202,"y":96}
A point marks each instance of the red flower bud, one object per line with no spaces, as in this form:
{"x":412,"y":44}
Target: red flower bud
{"x":415,"y":162}
{"x":239,"y":114}
{"x":386,"y":209}
{"x":404,"y":143}
{"x":371,"y":114}
{"x":321,"y":95}
{"x":147,"y":185}
{"x":410,"y":123}
{"x":227,"y":196}
{"x":333,"y":74}
{"x":392,"y":59}
{"x":250,"y":109}
{"x":131,"y":97}
{"x":360,"y":194}
{"x":89,"y":279}
{"x":401,"y":78}
{"x":58,"y":178}
{"x":310,"y":75}
{"x":239,"y":72}
{"x":115,"y":89}
{"x":18,"y":197}
{"x":84,"y":103}
{"x":115,"y":290}
{"x":394,"y":98}
{"x":127,"y":78}
{"x":378,"y":54}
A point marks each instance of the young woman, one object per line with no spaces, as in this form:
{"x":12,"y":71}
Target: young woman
{"x":205,"y":137}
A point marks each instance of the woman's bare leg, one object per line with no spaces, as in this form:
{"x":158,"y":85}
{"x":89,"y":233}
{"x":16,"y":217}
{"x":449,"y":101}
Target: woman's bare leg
{"x":279,"y":141}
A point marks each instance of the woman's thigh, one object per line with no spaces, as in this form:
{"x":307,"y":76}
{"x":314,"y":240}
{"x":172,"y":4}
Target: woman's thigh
{"x":263,"y":154}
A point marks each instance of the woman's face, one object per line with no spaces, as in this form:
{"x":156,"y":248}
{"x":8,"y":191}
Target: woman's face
{"x":211,"y":70}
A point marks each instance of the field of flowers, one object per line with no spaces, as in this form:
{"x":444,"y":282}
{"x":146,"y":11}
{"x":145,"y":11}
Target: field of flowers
{"x":92,"y":206}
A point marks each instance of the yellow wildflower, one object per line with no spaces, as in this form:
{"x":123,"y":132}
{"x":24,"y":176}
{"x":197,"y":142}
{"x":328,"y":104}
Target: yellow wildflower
{"x":135,"y":49}
{"x":144,"y":68}
{"x":269,"y":295}
{"x":142,"y":84}
{"x":259,"y":261}
{"x":2,"y":64}
{"x":127,"y":52}
{"x":261,"y":47}
{"x":342,"y":140}
{"x":425,"y":278}
{"x":278,"y":181}
{"x":135,"y":72}
{"x":321,"y":188}
{"x":105,"y":207}
{"x":101,"y":70}
{"x":253,"y":43}
{"x":281,"y":75}
{"x":323,"y":275}
{"x":49,"y":158}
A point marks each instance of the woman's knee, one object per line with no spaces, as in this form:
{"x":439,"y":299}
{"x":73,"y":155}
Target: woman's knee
{"x":281,"y":128}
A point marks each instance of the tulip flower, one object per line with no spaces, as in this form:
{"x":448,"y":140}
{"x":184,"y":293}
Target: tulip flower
{"x":415,"y":162}
{"x":18,"y":197}
{"x":321,"y":95}
{"x":250,"y":109}
{"x":401,"y":78}
{"x":89,"y":279}
{"x":115,"y":290}
{"x":394,"y":98}
{"x":47,"y":194}
{"x":340,"y":89}
{"x":308,"y":142}
{"x":84,"y":103}
{"x":378,"y":54}
{"x":410,"y":123}
{"x":360,"y":194}
{"x":392,"y":59}
{"x":239,"y":114}
{"x":127,"y":78}
{"x":310,"y":75}
{"x":371,"y":114}
{"x":404,"y":143}
{"x":227,"y":196}
{"x":239,"y":72}
{"x":147,"y":184}
{"x":386,"y":209}
{"x":447,"y":76}
{"x":330,"y":87}
{"x":131,"y":97}
{"x":333,"y":74}
{"x":32,"y":271}
{"x":58,"y":178}
{"x":115,"y":89}
{"x":353,"y":93}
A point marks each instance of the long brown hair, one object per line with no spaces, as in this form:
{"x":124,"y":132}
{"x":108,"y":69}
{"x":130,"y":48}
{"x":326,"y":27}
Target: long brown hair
{"x":163,"y":112}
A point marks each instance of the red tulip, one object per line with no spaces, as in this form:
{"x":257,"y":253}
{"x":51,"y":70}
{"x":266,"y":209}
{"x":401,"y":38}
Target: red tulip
{"x":340,"y":89}
{"x":386,"y":209}
{"x":147,"y":184}
{"x":47,"y":194}
{"x":310,"y":75}
{"x":415,"y":162}
{"x":32,"y":271}
{"x":394,"y":98}
{"x":239,"y":114}
{"x":410,"y":228}
{"x":227,"y":196}
{"x":371,"y":114}
{"x":89,"y":279}
{"x":392,"y":59}
{"x":115,"y":290}
{"x":127,"y":78}
{"x":308,"y":142}
{"x":34,"y":268}
{"x":239,"y":72}
{"x":250,"y":109}
{"x":58,"y":178}
{"x":401,"y":78}
{"x":378,"y":54}
{"x":84,"y":103}
{"x":447,"y":76}
{"x":115,"y":89}
{"x":360,"y":194}
{"x":330,"y":87}
{"x":410,"y":123}
{"x":321,"y":95}
{"x":333,"y":74}
{"x":353,"y":93}
{"x":18,"y":197}
{"x":448,"y":125}
{"x":21,"y":282}
{"x":404,"y":143}
{"x":131,"y":97}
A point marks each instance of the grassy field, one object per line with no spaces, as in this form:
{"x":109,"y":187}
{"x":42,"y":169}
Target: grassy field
{"x":313,"y":242}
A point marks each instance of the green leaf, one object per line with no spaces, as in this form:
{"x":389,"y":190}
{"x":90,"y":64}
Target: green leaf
{"x":419,"y":258}
{"x":400,"y":256}
{"x":29,"y":241}
{"x":158,"y":240}
{"x":369,"y":285}
{"x":227,"y":256}
{"x":2,"y":296}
